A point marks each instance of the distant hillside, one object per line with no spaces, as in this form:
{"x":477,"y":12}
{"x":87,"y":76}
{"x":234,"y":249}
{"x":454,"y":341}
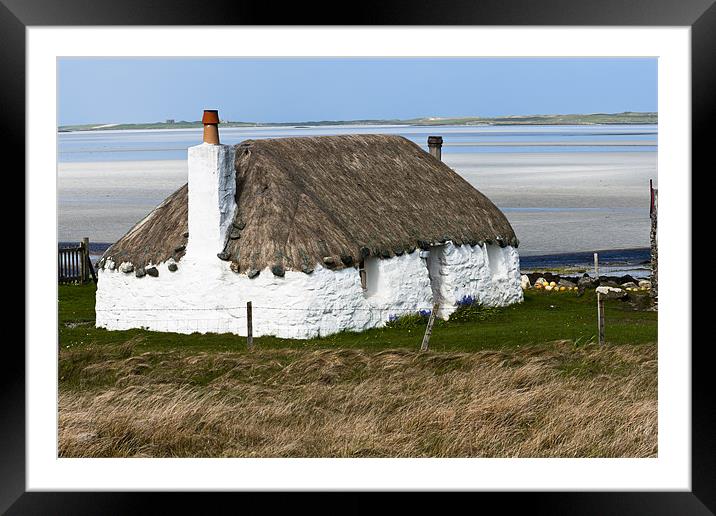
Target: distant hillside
{"x":627,"y":117}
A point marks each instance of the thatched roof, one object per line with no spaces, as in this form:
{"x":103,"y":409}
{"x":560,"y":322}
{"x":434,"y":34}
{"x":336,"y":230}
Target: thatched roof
{"x":301,"y":200}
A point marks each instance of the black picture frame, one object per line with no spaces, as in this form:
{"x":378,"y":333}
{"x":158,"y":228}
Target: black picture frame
{"x":700,"y":15}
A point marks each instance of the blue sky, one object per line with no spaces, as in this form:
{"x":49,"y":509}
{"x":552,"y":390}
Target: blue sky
{"x":125,"y":90}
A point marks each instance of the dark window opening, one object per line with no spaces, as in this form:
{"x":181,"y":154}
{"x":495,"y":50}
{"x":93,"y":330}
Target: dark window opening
{"x":361,"y":271}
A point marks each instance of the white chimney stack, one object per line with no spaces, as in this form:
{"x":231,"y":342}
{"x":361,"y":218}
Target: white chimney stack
{"x":212,"y":187}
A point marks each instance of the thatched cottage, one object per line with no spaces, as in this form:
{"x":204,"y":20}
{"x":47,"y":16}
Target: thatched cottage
{"x":321,"y":234}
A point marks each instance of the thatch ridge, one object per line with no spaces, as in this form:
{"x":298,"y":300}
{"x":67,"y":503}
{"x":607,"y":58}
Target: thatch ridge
{"x":300,"y":200}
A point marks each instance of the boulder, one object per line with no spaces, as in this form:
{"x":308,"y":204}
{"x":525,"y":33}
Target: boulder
{"x":586,"y":282}
{"x":566,"y":283}
{"x":645,"y":284}
{"x":525,"y":282}
{"x":611,"y":292}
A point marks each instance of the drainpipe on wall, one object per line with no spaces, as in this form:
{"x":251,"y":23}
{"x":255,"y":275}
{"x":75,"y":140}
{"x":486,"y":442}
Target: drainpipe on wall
{"x":435,"y":145}
{"x":212,"y":186}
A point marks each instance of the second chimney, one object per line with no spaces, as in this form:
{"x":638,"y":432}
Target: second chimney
{"x":211,"y":126}
{"x":435,"y":145}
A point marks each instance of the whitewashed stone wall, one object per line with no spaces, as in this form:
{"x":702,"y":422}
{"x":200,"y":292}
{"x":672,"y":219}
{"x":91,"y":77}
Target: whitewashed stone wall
{"x":488,"y":274}
{"x":207,"y":297}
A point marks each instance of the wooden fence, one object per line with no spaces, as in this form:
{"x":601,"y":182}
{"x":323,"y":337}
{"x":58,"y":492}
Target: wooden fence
{"x":74,"y":265}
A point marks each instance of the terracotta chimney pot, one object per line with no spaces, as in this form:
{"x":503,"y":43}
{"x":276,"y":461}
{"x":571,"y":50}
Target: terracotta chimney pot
{"x":211,"y":126}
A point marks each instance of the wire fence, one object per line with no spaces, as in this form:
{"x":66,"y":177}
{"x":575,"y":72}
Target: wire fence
{"x":265,"y":320}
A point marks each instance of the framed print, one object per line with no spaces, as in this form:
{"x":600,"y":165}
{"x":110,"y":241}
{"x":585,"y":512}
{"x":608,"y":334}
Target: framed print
{"x":370,"y":251}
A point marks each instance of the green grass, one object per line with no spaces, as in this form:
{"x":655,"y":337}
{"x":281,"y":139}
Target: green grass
{"x":542,"y":317}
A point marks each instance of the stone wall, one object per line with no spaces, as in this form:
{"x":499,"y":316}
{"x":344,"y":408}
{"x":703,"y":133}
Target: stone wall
{"x":208,"y":297}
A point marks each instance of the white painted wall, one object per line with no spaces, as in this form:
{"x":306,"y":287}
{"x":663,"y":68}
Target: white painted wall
{"x":206,"y":296}
{"x":489,"y":274}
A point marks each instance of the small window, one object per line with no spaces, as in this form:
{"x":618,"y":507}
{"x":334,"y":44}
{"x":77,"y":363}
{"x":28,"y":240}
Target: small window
{"x":361,"y":271}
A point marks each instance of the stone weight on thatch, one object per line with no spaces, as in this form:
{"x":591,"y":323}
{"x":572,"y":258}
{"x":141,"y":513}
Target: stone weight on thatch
{"x":140,"y":272}
{"x":347,"y":260}
{"x":180,"y":248}
{"x":240,"y":225}
{"x":234,"y":266}
{"x":126,"y":268}
{"x":278,"y":270}
{"x":173,"y":267}
{"x":385,"y":253}
{"x":235,"y":233}
{"x":153,"y":272}
{"x":364,"y":252}
{"x":398,"y":251}
{"x":307,"y":269}
{"x":329,"y":260}
{"x":223,"y":255}
{"x":185,"y":234}
{"x":252,"y":273}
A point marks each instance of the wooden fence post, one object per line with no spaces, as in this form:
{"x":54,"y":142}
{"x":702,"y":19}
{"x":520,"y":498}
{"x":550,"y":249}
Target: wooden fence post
{"x":653,"y":242}
{"x":600,"y":318}
{"x":249,"y":326}
{"x":85,"y":260}
{"x":596,"y":265}
{"x":429,"y":328}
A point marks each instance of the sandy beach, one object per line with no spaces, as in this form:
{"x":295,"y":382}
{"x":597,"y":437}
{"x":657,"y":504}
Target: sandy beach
{"x":557,"y":202}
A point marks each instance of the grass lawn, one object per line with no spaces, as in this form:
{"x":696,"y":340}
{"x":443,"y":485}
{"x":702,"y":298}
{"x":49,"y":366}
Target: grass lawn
{"x":543,"y":317}
{"x":523,"y":381}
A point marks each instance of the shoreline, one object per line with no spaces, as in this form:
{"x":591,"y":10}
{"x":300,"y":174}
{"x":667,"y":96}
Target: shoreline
{"x":615,"y":263}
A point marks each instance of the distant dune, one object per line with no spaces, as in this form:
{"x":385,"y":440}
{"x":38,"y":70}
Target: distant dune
{"x":628,"y":117}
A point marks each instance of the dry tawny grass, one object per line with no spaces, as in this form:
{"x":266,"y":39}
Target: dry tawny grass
{"x":546,"y":401}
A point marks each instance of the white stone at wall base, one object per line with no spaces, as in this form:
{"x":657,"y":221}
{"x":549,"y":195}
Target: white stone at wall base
{"x":525,"y":282}
{"x":206,"y":296}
